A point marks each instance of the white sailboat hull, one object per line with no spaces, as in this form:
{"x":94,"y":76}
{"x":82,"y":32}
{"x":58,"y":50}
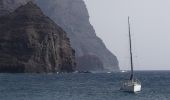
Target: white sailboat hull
{"x":131,"y":86}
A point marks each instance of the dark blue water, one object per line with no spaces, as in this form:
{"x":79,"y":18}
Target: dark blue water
{"x":155,"y":86}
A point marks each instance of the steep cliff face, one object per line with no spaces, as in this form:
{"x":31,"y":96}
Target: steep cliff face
{"x":73,"y":17}
{"x":31,"y":42}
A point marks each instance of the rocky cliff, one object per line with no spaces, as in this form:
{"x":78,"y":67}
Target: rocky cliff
{"x":73,"y":17}
{"x":31,"y":42}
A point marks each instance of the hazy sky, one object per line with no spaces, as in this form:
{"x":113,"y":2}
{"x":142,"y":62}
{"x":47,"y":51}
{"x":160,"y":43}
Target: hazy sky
{"x":150,"y":25}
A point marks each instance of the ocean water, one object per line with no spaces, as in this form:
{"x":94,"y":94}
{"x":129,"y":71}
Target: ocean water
{"x":100,"y":86}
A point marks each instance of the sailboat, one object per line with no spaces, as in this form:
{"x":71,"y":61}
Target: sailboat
{"x":131,"y":85}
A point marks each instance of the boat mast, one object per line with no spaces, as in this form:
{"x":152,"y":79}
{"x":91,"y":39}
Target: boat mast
{"x":131,"y":56}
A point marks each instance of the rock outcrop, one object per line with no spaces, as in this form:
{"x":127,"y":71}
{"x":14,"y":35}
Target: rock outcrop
{"x":31,"y":42}
{"x":73,"y":17}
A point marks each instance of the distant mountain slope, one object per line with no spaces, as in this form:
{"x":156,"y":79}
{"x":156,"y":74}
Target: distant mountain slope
{"x":31,"y":42}
{"x":72,"y":16}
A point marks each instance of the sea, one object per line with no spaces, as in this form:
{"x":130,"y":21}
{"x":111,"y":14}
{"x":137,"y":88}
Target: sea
{"x":83,"y":86}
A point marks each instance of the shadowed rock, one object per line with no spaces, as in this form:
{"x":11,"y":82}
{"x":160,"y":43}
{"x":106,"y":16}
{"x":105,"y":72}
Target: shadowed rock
{"x":89,"y":63}
{"x":31,"y":42}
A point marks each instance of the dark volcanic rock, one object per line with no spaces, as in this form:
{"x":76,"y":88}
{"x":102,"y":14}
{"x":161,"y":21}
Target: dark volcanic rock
{"x":31,"y":42}
{"x":73,"y":17}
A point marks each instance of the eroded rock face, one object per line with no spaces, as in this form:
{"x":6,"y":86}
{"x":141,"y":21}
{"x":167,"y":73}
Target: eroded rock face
{"x":31,"y":42}
{"x":73,"y":17}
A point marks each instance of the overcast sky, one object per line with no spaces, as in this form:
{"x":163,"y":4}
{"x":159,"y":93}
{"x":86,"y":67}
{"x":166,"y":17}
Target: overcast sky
{"x":150,"y":25}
